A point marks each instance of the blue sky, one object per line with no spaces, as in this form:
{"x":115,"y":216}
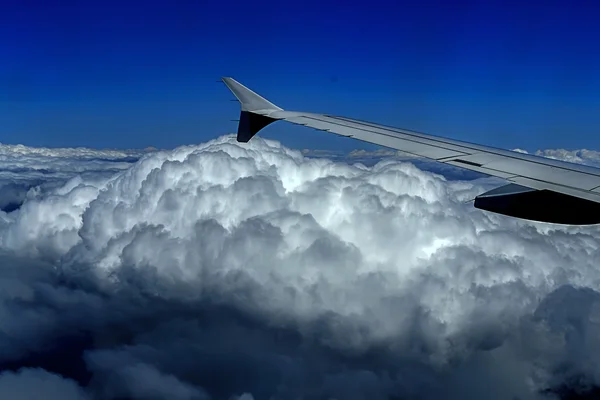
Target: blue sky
{"x":136,"y":74}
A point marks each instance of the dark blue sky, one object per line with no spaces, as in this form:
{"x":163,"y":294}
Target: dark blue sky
{"x":136,"y":74}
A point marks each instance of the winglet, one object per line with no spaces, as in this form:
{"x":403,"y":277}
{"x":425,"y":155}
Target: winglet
{"x":253,"y":110}
{"x":249,"y":100}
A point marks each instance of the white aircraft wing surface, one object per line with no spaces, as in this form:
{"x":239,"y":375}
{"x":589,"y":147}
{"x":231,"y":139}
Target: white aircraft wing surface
{"x":540,"y":188}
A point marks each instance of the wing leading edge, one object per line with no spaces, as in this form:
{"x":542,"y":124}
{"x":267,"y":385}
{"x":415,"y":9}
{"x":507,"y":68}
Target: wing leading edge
{"x":540,"y":189}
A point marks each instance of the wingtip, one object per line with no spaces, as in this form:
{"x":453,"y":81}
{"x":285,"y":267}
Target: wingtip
{"x":253,"y":106}
{"x":230,"y":79}
{"x":249,"y":100}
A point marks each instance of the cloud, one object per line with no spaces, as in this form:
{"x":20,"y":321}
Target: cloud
{"x":250,"y":271}
{"x":583,"y":156}
{"x":120,"y":378}
{"x":30,"y":172}
{"x":36,"y":383}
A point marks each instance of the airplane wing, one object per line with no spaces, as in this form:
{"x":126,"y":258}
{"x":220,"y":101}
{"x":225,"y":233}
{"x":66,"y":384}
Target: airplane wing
{"x":540,"y":189}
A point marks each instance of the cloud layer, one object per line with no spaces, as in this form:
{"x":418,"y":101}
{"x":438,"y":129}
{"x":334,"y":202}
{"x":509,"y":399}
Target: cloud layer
{"x":27,"y":172}
{"x":582,"y":156}
{"x":249,"y":271}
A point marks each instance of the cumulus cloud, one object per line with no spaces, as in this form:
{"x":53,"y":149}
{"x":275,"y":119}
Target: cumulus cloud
{"x":582,"y":156}
{"x":253,"y":271}
{"x":36,"y":384}
{"x":31,"y":172}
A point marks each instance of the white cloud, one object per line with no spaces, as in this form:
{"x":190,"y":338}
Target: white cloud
{"x":582,"y":156}
{"x":37,"y":384}
{"x":229,"y":270}
{"x":125,"y":378}
{"x":27,"y":172}
{"x":53,"y":160}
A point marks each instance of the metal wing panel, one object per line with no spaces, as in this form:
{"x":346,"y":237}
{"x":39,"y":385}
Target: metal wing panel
{"x":487,"y":171}
{"x":496,"y":164}
{"x":393,"y":141}
{"x":391,"y":133}
{"x":547,"y":173}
